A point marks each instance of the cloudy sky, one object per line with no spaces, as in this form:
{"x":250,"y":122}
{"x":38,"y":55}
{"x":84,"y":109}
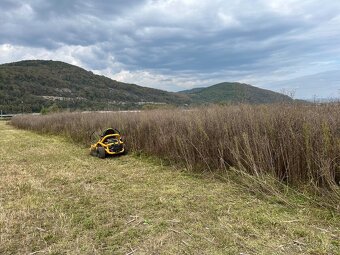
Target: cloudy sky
{"x":181,"y":44}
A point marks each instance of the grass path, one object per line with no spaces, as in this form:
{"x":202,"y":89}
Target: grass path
{"x":56,"y":199}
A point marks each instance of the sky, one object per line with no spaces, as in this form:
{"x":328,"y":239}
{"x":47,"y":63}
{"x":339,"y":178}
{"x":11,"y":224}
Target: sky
{"x":182,"y":44}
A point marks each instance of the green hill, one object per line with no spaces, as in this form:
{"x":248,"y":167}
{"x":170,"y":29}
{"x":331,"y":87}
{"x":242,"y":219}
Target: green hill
{"x":30,"y":85}
{"x":234,"y":92}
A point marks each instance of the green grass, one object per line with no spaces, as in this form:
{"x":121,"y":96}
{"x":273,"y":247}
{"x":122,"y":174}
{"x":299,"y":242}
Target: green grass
{"x":56,"y":199}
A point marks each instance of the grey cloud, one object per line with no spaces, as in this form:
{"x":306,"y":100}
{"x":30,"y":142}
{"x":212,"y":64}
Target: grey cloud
{"x":64,"y":8}
{"x":53,"y":23}
{"x":225,"y":39}
{"x":312,"y":85}
{"x":7,"y":5}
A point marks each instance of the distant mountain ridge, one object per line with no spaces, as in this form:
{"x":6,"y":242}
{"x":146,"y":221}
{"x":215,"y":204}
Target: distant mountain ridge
{"x":234,"y":92}
{"x":30,"y":85}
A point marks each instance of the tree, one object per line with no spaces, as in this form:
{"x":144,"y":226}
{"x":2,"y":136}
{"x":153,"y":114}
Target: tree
{"x":51,"y":109}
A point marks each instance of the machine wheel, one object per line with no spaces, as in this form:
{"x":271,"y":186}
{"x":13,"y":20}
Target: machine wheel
{"x":101,"y":152}
{"x":93,"y":153}
{"x":125,"y":151}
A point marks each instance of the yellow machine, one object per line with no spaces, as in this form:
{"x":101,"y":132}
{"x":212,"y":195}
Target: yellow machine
{"x":110,"y":143}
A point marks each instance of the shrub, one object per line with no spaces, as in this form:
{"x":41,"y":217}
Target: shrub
{"x":297,"y":144}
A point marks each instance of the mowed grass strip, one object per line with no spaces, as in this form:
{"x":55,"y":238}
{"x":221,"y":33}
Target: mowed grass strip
{"x":56,"y":199}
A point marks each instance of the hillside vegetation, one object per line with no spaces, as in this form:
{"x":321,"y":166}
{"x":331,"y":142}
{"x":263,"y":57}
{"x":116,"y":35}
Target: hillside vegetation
{"x":56,"y":199}
{"x":30,"y":86}
{"x":228,"y":92}
{"x":298,"y":146}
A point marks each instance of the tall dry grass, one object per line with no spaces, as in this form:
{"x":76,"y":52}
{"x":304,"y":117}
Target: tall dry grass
{"x":294,"y":143}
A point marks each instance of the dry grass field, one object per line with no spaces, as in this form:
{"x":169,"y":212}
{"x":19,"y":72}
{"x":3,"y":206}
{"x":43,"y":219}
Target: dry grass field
{"x":56,"y":199}
{"x":298,"y":145}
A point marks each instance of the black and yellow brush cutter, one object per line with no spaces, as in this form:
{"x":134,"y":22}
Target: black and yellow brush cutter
{"x":109,"y":143}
